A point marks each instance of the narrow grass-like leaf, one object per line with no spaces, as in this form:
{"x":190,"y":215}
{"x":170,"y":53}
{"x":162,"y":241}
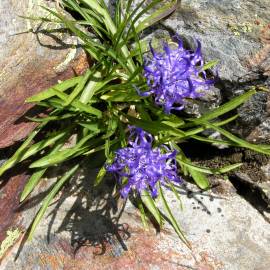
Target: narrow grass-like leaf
{"x":150,"y":205}
{"x":121,"y":96}
{"x":79,"y":105}
{"x":50,"y":118}
{"x":90,"y":88}
{"x":224,"y":169}
{"x":21,"y":152}
{"x":142,"y":213}
{"x":37,"y":147}
{"x":213,"y":141}
{"x":63,"y":86}
{"x":37,"y":175}
{"x":104,"y":14}
{"x":199,"y":178}
{"x":209,"y":65}
{"x":232,"y":104}
{"x":63,"y":155}
{"x":240,"y":142}
{"x":194,"y":131}
{"x":92,"y":46}
{"x":100,"y":176}
{"x":46,"y":202}
{"x":92,"y":126}
{"x":171,"y":185}
{"x":32,"y":183}
{"x":172,"y":219}
{"x":112,"y":126}
{"x":155,"y":127}
{"x":127,"y":20}
{"x":157,"y":15}
{"x":79,"y":87}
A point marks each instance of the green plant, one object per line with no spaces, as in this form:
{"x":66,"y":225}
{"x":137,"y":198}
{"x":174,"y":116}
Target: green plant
{"x":98,"y":106}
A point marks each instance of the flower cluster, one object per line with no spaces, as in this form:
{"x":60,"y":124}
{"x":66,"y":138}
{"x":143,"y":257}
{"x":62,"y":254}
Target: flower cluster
{"x":174,"y":75}
{"x":140,"y":167}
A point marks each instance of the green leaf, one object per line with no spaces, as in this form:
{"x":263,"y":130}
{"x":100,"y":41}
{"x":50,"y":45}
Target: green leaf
{"x":21,"y":152}
{"x":37,"y":175}
{"x":213,"y":141}
{"x":32,"y":183}
{"x":176,"y":194}
{"x":51,"y":118}
{"x":127,"y":21}
{"x":199,"y":178}
{"x":37,"y":147}
{"x":157,"y":15}
{"x":224,"y":169}
{"x":48,"y":199}
{"x":61,"y":156}
{"x":240,"y":142}
{"x":209,"y":65}
{"x":121,"y":96}
{"x":232,"y":104}
{"x":91,"y":18}
{"x":91,"y":87}
{"x":155,"y":127}
{"x":93,"y":47}
{"x":103,"y":12}
{"x":79,"y":105}
{"x":228,"y":168}
{"x":100,"y":176}
{"x":150,"y":205}
{"x":63,"y":86}
{"x":92,"y":126}
{"x":142,"y":213}
{"x":191,"y":132}
{"x":79,"y":87}
{"x":172,"y":219}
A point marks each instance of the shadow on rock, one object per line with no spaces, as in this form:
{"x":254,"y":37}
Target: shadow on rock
{"x":93,"y":217}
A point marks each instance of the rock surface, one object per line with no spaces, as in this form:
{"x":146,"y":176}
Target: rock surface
{"x":31,"y":60}
{"x":225,"y":230}
{"x":86,"y":229}
{"x":236,"y":33}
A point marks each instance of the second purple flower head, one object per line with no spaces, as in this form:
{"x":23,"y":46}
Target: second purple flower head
{"x":174,"y":75}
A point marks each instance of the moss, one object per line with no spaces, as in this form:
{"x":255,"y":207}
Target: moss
{"x":11,"y":238}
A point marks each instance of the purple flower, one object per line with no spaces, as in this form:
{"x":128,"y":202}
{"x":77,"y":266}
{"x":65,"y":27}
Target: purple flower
{"x":139,"y":166}
{"x":174,"y":75}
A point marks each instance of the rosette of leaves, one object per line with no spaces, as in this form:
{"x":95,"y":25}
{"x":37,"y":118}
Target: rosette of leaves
{"x":97,"y":107}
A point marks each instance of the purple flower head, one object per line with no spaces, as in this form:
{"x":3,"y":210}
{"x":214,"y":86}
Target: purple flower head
{"x":174,"y":75}
{"x":140,"y":167}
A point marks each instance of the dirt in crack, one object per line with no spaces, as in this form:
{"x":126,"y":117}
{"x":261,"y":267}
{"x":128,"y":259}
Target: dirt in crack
{"x":212,"y":157}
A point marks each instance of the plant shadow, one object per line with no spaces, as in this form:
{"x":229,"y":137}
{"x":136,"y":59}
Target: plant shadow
{"x":89,"y":215}
{"x":93,"y":215}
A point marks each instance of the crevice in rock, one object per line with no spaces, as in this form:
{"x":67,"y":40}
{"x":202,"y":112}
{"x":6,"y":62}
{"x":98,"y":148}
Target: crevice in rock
{"x":252,"y":194}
